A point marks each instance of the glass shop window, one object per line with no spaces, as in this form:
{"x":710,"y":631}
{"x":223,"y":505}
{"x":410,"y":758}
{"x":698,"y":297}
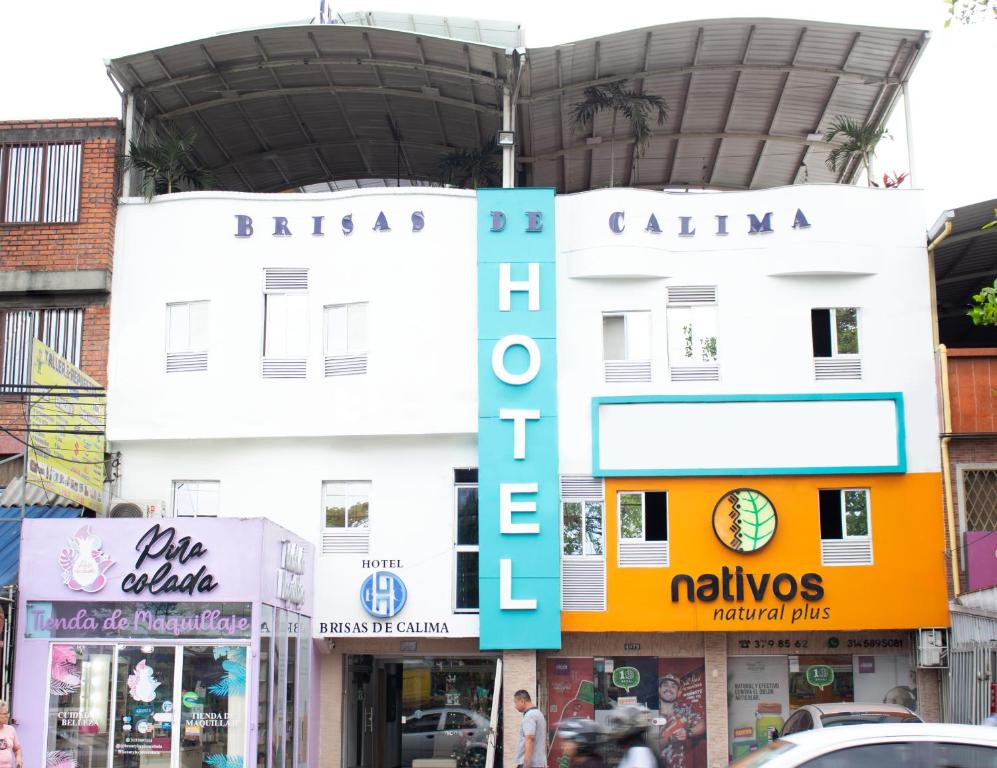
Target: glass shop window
{"x":79,"y":705}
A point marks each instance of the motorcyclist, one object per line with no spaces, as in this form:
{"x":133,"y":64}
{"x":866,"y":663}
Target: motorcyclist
{"x":582,"y":739}
{"x":628,"y":725}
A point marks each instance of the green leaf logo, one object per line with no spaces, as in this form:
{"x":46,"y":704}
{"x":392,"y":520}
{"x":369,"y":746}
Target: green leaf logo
{"x":744,"y":520}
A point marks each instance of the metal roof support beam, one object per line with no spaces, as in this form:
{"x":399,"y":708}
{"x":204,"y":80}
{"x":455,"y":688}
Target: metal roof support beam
{"x":667,"y":179}
{"x":561,"y":112}
{"x":855,"y":77}
{"x":612,"y":146}
{"x":342,"y":110}
{"x":474,"y":100}
{"x":830,"y":97}
{"x":775,"y":111}
{"x":429,"y":84}
{"x":730,"y":106}
{"x":333,"y":145}
{"x":359,"y":61}
{"x":794,"y":140}
{"x":629,"y":171}
{"x":294,"y":112}
{"x":250,"y":124}
{"x":200,"y":120}
{"x":279,"y":92}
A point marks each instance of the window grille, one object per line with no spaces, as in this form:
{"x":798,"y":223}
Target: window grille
{"x":60,"y":329}
{"x":40,"y":183}
{"x":980,"y":499}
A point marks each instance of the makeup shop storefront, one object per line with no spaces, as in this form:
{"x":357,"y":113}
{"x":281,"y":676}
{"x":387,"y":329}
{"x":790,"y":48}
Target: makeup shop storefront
{"x":180,"y":643}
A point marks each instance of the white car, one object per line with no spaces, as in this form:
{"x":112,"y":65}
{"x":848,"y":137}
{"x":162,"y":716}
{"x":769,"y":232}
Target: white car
{"x":812,"y":716}
{"x":904,"y":745}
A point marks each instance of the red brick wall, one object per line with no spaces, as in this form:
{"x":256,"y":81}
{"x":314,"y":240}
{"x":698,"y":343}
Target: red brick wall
{"x":973,"y":389}
{"x":86,"y":244}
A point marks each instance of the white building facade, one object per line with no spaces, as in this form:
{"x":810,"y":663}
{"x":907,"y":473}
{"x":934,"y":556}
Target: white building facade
{"x":315,"y":359}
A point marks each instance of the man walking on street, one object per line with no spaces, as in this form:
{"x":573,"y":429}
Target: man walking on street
{"x":531,"y":749}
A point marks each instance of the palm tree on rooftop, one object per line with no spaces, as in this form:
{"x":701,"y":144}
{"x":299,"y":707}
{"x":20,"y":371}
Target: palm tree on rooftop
{"x":636,"y":107}
{"x":859,"y":140}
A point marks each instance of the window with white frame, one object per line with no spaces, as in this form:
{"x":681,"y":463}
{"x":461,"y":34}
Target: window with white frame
{"x":466,"y":540}
{"x":346,"y":516}
{"x":583,"y":559}
{"x":346,"y":339}
{"x":581,"y":528}
{"x":285,"y":323}
{"x":643,"y":527}
{"x":187,"y":336}
{"x":60,"y":329}
{"x":196,"y":498}
{"x":835,"y":333}
{"x":692,"y":333}
{"x":41,"y":183}
{"x":626,"y":345}
{"x":845,"y":526}
{"x":347,"y":504}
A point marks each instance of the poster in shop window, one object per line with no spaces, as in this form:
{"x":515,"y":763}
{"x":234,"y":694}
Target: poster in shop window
{"x":757,"y":701}
{"x":570,"y":693}
{"x":681,"y":703}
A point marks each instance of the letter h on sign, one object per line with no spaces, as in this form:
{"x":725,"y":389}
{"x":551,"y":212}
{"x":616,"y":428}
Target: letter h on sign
{"x":519,"y":581}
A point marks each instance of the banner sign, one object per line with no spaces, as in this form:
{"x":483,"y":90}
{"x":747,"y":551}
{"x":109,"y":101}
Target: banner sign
{"x":110,"y":621}
{"x":519,"y":525}
{"x":67,"y":412}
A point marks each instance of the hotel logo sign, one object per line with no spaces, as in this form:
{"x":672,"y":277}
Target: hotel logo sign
{"x":383,"y":594}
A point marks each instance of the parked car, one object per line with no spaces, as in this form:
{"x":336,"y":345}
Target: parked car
{"x":444,"y":732}
{"x":813,"y":716}
{"x":905,"y":745}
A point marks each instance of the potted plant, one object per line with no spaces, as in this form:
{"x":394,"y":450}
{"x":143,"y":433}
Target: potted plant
{"x":166,"y":163}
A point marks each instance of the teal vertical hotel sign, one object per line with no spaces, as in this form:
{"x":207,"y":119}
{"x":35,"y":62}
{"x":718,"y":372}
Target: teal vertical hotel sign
{"x":518,"y":522}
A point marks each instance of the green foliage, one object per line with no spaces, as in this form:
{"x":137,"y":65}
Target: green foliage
{"x":631,"y":516}
{"x":637,"y":108}
{"x":756,"y":526}
{"x":859,"y":140}
{"x":969,"y":11}
{"x":710,"y":349}
{"x":471,"y":168}
{"x":166,"y":163}
{"x":984,"y":311}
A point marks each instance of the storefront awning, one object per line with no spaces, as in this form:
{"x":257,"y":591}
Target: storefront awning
{"x":36,"y":503}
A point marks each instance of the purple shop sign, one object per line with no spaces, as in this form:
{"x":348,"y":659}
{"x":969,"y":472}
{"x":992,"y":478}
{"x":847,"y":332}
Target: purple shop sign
{"x":63,"y":619}
{"x":174,"y":559}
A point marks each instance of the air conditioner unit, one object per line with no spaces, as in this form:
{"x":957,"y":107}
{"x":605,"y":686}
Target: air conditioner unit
{"x":932,"y":647}
{"x":136,"y":508}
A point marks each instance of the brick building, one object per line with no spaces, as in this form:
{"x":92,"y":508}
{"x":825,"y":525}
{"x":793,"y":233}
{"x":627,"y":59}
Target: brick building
{"x":57,"y":213}
{"x":964,"y":260}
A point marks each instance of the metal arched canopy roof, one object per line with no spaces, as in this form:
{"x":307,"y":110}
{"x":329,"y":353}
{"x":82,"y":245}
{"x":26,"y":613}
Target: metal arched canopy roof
{"x":289,"y":106}
{"x":965,"y":261}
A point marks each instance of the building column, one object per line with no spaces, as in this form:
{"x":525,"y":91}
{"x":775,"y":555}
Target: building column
{"x":715,"y":658}
{"x":330,"y":725}
{"x":519,"y":671}
{"x":929,"y":704}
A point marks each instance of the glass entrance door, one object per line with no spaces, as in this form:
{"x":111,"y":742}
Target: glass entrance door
{"x":144,"y":698}
{"x":419,"y":712}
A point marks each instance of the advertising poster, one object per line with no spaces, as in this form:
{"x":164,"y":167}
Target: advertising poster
{"x":66,"y":439}
{"x":757,"y":701}
{"x":570,"y":693}
{"x":681,"y":705}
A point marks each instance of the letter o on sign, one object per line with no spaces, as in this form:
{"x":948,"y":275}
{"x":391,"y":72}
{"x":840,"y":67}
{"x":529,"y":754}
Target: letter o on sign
{"x":498,"y":359}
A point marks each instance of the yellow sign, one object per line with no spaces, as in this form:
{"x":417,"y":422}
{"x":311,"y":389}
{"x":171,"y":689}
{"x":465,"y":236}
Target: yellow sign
{"x":66,"y":429}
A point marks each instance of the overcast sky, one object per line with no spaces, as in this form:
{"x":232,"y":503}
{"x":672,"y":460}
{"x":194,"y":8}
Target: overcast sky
{"x":52,"y":59}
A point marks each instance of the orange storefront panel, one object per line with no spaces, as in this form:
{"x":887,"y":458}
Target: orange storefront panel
{"x":769,"y":553}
